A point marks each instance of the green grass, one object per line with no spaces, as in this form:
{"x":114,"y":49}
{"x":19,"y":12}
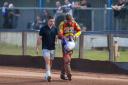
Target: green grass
{"x":10,"y":49}
{"x":88,"y":54}
{"x":96,"y":55}
{"x":123,"y":56}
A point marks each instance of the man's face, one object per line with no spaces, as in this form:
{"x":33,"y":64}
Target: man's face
{"x":66,"y":1}
{"x":84,"y":1}
{"x":5,"y":4}
{"x":121,"y":1}
{"x":51,"y":22}
{"x":58,"y":4}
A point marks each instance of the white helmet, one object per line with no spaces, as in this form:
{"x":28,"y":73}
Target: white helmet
{"x":70,"y":45}
{"x":11,"y":5}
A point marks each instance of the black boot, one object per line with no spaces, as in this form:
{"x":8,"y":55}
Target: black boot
{"x":64,"y":77}
{"x":69,"y":77}
{"x":49,"y":78}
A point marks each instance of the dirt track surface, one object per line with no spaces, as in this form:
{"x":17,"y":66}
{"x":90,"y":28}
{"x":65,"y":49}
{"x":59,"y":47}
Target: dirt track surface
{"x":34,"y":76}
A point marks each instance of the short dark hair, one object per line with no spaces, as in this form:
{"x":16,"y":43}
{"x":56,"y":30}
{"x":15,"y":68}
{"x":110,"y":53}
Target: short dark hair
{"x":68,"y":17}
{"x":50,"y":17}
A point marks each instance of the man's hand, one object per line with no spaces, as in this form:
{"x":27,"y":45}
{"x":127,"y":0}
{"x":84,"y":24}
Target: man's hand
{"x":118,"y":8}
{"x":114,"y":7}
{"x":75,"y":38}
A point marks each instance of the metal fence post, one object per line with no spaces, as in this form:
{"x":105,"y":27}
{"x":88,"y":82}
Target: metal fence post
{"x":93,"y":20}
{"x":110,"y":47}
{"x":24,"y":43}
{"x":81,"y":47}
{"x":81,"y":43}
{"x":105,"y":15}
{"x":0,"y":37}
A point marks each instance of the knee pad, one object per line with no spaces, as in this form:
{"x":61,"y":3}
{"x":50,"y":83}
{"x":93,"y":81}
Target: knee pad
{"x":67,"y":68}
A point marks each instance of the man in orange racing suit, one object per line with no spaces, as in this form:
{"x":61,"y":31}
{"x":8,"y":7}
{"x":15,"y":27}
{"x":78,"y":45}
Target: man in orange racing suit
{"x":69,"y":30}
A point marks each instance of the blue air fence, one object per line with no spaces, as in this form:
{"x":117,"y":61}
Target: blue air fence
{"x":94,"y":41}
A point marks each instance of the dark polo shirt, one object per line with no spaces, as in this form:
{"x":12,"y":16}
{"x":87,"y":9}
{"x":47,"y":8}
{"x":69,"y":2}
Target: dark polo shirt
{"x":48,"y":37}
